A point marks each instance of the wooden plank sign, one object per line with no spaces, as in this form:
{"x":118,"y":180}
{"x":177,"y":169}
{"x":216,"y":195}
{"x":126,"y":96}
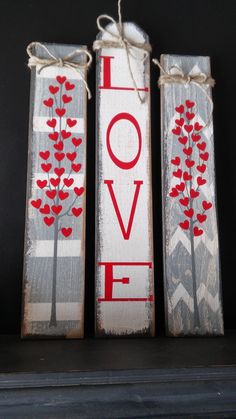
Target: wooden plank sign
{"x":53,"y":283}
{"x":191,"y":250}
{"x":124,"y":242}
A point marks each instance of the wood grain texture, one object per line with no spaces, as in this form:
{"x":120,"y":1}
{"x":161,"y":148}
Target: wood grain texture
{"x":54,"y":257}
{"x":124,"y":232}
{"x":190,"y":232}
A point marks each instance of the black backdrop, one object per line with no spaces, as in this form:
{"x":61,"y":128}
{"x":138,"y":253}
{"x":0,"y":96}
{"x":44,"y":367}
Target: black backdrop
{"x":203,"y":27}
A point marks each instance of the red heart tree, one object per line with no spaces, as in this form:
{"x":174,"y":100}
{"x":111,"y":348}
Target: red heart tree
{"x":57,"y":202}
{"x":189,"y":171}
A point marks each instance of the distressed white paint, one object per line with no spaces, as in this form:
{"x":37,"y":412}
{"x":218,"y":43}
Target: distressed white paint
{"x":44,"y":248}
{"x":40,"y":312}
{"x":119,"y":317}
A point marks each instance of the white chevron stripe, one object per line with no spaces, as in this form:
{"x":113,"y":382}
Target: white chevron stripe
{"x":204,"y":294}
{"x":180,"y":294}
{"x":180,"y":237}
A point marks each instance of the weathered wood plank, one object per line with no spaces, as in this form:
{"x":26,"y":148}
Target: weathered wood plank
{"x":54,"y":258}
{"x":124,"y":242}
{"x":190,"y":232}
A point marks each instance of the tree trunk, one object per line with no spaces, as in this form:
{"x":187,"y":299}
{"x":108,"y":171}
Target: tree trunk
{"x":53,"y":319}
{"x":195,"y":303}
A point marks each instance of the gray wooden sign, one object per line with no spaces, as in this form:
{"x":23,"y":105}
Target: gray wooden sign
{"x":190,"y":232}
{"x":53,"y":283}
{"x":124,"y":243}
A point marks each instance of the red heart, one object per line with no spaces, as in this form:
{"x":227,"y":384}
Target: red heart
{"x":63,"y":195}
{"x":51,"y":194}
{"x":76,"y":167}
{"x":206,"y":205}
{"x":71,"y":156}
{"x":181,"y":187}
{"x":52,"y":122}
{"x":201,"y":181}
{"x":76,"y":141}
{"x":176,"y":130}
{"x":59,"y":171}
{"x":61,"y":79}
{"x":55,"y":182}
{"x":79,"y":191}
{"x":189,"y":163}
{"x":189,"y":212}
{"x":184,"y":225}
{"x":190,"y":104}
{"x":56,"y":209}
{"x":44,"y":154}
{"x":201,"y":146}
{"x":60,"y":111}
{"x":190,"y":115}
{"x":36,"y":203}
{"x":180,"y":109}
{"x":187,"y":176}
{"x":188,"y":151}
{"x":176,"y":161}
{"x":69,"y":86}
{"x":201,"y":168}
{"x":204,"y":156}
{"x":193,"y":193}
{"x":59,"y":146}
{"x":66,"y":99}
{"x":178,"y":173}
{"x":201,"y":218}
{"x":183,"y":140}
{"x":180,"y":122}
{"x":71,"y":122}
{"x":66,"y":231}
{"x":197,"y":126}
{"x":59,"y":156}
{"x":41,"y":183}
{"x":53,"y":136}
{"x":174,"y":193}
{"x":196,"y":137}
{"x":49,"y":221}
{"x":184,"y":201}
{"x":53,"y":89}
{"x":48,"y":102}
{"x":188,"y":128}
{"x":68,"y":182}
{"x":77,"y":211}
{"x":197,"y":231}
{"x":65,"y":134}
{"x":45,"y":209}
{"x":46,"y":167}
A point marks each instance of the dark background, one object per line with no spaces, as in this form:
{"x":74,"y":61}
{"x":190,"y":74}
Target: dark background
{"x":203,"y":27}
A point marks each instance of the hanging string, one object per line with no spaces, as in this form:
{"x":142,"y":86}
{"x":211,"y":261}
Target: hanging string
{"x":66,"y":61}
{"x":121,"y":42}
{"x":199,"y":80}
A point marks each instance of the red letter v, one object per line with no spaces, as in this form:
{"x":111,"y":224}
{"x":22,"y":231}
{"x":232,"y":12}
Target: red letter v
{"x":125,"y":232}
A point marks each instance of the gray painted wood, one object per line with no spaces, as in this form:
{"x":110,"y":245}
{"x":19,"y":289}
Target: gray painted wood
{"x":125,"y":305}
{"x":54,"y":256}
{"x":190,"y":233}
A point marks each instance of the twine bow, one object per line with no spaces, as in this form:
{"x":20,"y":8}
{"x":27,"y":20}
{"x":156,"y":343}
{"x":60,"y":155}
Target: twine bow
{"x":199,"y":79}
{"x":66,"y":61}
{"x":121,"y":42}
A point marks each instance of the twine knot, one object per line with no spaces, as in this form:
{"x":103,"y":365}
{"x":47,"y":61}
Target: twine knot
{"x":120,"y":41}
{"x":67,"y":61}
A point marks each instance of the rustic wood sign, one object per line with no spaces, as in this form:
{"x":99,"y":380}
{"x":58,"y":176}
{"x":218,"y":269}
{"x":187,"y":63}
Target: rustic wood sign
{"x":190,"y":233}
{"x":124,"y":241}
{"x":53,"y":283}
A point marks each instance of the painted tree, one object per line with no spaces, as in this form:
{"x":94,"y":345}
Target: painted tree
{"x":57,"y":202}
{"x":190,"y":169}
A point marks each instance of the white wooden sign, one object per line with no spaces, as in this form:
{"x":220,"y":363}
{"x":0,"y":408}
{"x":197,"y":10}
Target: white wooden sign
{"x":124,"y":231}
{"x":190,"y":231}
{"x":53,"y":283}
